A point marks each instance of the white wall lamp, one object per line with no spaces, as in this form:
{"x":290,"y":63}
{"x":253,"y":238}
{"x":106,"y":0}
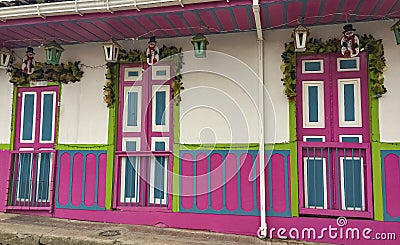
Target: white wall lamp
{"x":300,"y":35}
{"x":5,"y":57}
{"x":111,"y":50}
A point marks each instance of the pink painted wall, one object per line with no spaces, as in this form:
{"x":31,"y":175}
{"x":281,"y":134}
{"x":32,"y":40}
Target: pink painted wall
{"x":4,"y":171}
{"x":187,"y":181}
{"x":64,"y":179}
{"x":246,"y":184}
{"x":86,"y":182}
{"x":231,"y":186}
{"x":278,"y":183}
{"x":392,"y":171}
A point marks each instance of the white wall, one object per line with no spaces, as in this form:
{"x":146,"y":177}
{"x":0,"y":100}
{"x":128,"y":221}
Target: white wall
{"x":238,"y":60}
{"x":273,"y":48}
{"x":83,"y":114}
{"x":6,"y":90}
{"x":219,"y":102}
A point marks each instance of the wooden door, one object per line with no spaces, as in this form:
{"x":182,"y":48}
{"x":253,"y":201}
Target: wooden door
{"x":333,"y":133}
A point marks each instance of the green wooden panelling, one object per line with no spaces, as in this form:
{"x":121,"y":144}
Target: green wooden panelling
{"x":377,"y":181}
{"x":375,"y":156}
{"x":278,"y":146}
{"x":81,"y":147}
{"x":4,"y":147}
{"x":112,"y":134}
{"x":374,"y":119}
{"x":176,"y":162}
{"x":251,"y":146}
{"x":389,"y":146}
{"x":292,"y":120}
{"x":294,"y":178}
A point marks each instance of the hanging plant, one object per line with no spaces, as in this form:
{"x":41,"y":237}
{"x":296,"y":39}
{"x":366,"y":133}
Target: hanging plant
{"x":61,"y":73}
{"x":376,"y":61}
{"x":108,"y":90}
{"x":135,"y":55}
{"x":175,"y":55}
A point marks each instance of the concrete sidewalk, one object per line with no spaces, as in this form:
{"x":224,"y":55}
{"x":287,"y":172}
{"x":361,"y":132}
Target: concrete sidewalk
{"x":25,"y":229}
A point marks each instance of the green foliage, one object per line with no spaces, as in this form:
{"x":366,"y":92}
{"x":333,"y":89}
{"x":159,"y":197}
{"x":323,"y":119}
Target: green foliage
{"x":376,"y":61}
{"x":61,"y":73}
{"x":108,"y":89}
{"x":176,"y":57}
{"x":172,"y":54}
{"x":133,"y":55}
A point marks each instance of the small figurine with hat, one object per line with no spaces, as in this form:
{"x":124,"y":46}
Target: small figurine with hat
{"x":152,"y":52}
{"x":350,"y":42}
{"x":28,"y":62}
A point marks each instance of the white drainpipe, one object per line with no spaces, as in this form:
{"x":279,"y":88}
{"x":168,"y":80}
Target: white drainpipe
{"x":81,"y":7}
{"x":262,"y":231}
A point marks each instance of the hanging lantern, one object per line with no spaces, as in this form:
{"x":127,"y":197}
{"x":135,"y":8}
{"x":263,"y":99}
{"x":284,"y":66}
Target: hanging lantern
{"x":396,"y":29}
{"x":5,"y":57}
{"x":200,"y":43}
{"x":300,"y":35}
{"x":111,"y":50}
{"x":53,"y":52}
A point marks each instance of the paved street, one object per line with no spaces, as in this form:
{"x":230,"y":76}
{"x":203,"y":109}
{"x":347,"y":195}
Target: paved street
{"x":24,"y":229}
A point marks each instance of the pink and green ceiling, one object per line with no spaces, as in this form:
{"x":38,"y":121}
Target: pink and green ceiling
{"x":175,"y":20}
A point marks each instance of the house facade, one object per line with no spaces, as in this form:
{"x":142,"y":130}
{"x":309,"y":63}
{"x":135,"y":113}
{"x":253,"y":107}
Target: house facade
{"x":172,"y":139}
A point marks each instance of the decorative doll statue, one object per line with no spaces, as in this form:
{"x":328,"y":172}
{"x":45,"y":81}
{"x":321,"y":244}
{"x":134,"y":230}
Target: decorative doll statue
{"x":28,"y":62}
{"x":152,"y":52}
{"x":350,"y":42}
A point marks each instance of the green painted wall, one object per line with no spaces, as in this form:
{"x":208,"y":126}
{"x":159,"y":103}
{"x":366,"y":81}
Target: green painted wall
{"x":377,"y":180}
{"x":251,"y":146}
{"x":176,"y":162}
{"x":112,"y":135}
{"x":389,"y":146}
{"x":294,"y":177}
{"x":375,"y":156}
{"x":13,"y":117}
{"x":81,"y":147}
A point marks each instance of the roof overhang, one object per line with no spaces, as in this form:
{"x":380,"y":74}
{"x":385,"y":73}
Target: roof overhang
{"x":70,"y":22}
